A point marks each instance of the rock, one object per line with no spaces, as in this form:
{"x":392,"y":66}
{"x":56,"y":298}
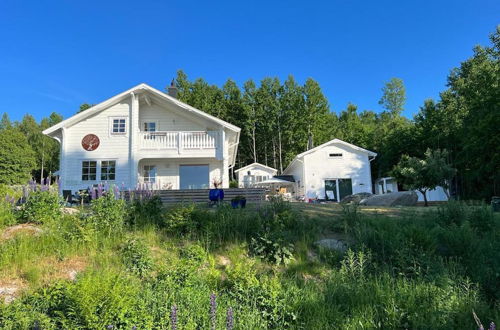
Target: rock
{"x":355,"y":198}
{"x":70,"y":210}
{"x":223,"y":261}
{"x":25,"y":228}
{"x":400,"y":198}
{"x":332,"y":244}
{"x":8,"y":294}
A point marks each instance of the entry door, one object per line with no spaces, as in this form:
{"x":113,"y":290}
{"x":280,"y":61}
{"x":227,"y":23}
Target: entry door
{"x":331,"y":190}
{"x":194,"y":176}
{"x":336,"y":189}
{"x":345,"y":187}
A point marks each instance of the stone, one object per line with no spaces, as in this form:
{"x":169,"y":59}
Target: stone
{"x":70,"y":210}
{"x":355,"y":198}
{"x":332,"y":244}
{"x":400,"y":198}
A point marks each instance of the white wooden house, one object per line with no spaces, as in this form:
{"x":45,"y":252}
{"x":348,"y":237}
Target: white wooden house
{"x":252,"y":174}
{"x":145,"y":136}
{"x":331,"y":171}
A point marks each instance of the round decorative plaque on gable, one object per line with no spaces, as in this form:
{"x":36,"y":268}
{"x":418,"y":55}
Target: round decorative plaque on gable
{"x":90,"y":142}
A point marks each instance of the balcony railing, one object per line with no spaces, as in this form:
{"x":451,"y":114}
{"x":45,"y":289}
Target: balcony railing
{"x":178,"y":140}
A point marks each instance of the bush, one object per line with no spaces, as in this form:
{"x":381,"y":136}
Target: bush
{"x":136,"y":257}
{"x":42,"y":207}
{"x":7,"y":217}
{"x":146,"y":211}
{"x":233,"y":184}
{"x":271,"y":249}
{"x":179,"y":220}
{"x":108,"y":214}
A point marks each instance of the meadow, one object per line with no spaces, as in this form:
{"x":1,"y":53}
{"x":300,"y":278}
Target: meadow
{"x":140,"y":265}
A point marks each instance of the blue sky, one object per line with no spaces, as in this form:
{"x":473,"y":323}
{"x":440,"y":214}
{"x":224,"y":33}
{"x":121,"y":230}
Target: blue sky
{"x":56,"y":55}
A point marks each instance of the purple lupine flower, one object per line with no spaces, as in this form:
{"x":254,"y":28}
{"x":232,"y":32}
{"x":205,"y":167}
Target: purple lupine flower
{"x":134,"y":328}
{"x":213,"y":310}
{"x":492,"y":326}
{"x":99,"y":190}
{"x":116,"y":190}
{"x":93,"y":193}
{"x":229,"y":319}
{"x":173,"y":318}
{"x":110,"y":326}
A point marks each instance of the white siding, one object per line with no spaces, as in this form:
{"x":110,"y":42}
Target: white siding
{"x":297,"y":170}
{"x":111,"y":147}
{"x":116,"y":147}
{"x":319,"y":166}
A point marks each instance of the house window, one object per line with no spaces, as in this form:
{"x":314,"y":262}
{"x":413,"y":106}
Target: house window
{"x":108,"y":168}
{"x":335,"y":155}
{"x":150,"y":173}
{"x":119,"y":126}
{"x":89,"y":170}
{"x":150,"y":127}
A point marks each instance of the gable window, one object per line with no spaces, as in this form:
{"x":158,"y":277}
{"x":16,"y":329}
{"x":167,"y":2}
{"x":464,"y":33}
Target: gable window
{"x":108,"y":170}
{"x":89,"y":170}
{"x":119,"y":126}
{"x":335,"y":155}
{"x":150,"y":127}
{"x":150,"y":173}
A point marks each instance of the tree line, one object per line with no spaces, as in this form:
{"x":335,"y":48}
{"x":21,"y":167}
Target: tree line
{"x":280,"y":119}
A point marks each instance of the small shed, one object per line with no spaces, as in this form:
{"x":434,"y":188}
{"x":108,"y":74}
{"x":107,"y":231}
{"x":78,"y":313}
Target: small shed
{"x":253,"y":174}
{"x":389,"y":184}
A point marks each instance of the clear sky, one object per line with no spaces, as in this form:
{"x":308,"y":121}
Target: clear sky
{"x":55,"y":55}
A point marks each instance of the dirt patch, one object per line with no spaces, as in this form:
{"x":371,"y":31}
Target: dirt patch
{"x":24,"y":228}
{"x":10,"y":289}
{"x":223,"y":261}
{"x":66,"y":269}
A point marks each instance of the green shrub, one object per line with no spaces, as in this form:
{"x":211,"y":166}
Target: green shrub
{"x":136,"y":257}
{"x":146,"y":211}
{"x":233,"y":184}
{"x":42,"y":207}
{"x":482,"y":219}
{"x":179,"y":220}
{"x":271,"y":249}
{"x":108,"y":214}
{"x":7,"y":217}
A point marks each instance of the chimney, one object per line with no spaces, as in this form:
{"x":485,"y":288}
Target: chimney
{"x":172,"y":89}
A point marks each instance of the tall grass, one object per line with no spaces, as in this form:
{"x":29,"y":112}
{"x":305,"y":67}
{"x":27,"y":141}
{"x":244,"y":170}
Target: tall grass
{"x":421,"y":271}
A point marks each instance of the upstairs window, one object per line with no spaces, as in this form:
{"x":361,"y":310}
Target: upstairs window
{"x":89,"y":170}
{"x":119,"y":126}
{"x":108,"y":170}
{"x":335,"y":155}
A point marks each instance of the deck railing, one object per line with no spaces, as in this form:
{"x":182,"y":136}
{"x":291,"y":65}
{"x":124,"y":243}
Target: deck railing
{"x":178,"y":140}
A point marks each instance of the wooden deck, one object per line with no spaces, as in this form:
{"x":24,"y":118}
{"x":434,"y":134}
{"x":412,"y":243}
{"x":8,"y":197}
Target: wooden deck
{"x":253,"y":195}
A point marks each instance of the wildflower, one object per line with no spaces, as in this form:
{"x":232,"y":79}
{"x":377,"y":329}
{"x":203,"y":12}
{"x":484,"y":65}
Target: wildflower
{"x":116,"y":191}
{"x":173,"y":318}
{"x":99,"y":190}
{"x":492,"y":326}
{"x":213,"y":310}
{"x":93,"y":193}
{"x":229,"y":319}
{"x":110,"y":326}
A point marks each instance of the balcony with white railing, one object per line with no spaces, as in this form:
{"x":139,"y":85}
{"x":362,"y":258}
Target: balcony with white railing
{"x":200,"y":143}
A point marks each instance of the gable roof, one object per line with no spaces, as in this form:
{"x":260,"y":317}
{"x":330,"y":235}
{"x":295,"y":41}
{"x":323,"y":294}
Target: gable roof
{"x":334,"y":141}
{"x":141,"y":87}
{"x":256,"y":164}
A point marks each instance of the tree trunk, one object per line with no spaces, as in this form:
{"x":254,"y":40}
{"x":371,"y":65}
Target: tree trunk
{"x":253,"y":142}
{"x":265,"y":153}
{"x":274,"y":153}
{"x":41,"y":172}
{"x":423,"y":192}
{"x":279,"y":150}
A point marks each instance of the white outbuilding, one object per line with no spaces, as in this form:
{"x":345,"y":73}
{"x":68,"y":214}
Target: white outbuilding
{"x":252,"y":174}
{"x":331,"y":171}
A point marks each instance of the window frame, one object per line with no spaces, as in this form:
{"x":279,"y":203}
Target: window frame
{"x":107,"y":173}
{"x":144,"y":123}
{"x":88,"y":168}
{"x":112,"y":125}
{"x":147,"y":178}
